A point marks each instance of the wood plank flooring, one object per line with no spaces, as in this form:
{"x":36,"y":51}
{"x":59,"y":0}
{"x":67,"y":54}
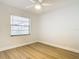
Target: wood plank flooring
{"x":38,"y":51}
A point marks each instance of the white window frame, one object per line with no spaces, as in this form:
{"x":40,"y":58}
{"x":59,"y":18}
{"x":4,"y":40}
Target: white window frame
{"x":21,"y":34}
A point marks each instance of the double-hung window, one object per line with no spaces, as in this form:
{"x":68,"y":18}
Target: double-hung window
{"x":20,"y":25}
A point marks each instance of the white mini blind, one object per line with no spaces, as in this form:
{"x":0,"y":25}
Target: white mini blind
{"x":20,"y":25}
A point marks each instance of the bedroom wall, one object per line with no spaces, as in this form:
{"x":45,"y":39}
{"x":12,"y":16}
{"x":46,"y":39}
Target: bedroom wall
{"x":60,"y":27}
{"x":6,"y":41}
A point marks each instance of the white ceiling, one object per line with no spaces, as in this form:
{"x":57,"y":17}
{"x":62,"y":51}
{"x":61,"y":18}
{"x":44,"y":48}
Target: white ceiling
{"x":22,"y":4}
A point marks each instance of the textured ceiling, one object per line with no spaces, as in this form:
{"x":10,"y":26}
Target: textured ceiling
{"x":22,"y":4}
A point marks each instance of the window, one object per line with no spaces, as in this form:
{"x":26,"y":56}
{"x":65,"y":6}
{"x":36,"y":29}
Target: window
{"x":20,"y":25}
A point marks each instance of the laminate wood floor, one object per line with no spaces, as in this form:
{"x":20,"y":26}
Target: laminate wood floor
{"x":38,"y":51}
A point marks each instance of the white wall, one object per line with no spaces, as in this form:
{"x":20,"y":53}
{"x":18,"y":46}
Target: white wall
{"x":6,"y":40}
{"x":58,"y":27}
{"x":61,"y":27}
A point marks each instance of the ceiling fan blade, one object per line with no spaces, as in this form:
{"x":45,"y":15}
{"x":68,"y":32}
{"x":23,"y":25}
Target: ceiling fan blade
{"x":29,"y":6}
{"x":40,"y":1}
{"x":46,"y":4}
{"x":33,"y":1}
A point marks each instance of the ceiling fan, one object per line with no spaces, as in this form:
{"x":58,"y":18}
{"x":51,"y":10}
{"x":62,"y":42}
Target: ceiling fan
{"x":38,"y":4}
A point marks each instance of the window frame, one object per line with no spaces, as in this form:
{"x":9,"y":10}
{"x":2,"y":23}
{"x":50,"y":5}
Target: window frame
{"x":20,"y":34}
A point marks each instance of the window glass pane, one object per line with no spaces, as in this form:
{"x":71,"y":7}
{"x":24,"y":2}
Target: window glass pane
{"x":14,"y":27}
{"x":20,"y":25}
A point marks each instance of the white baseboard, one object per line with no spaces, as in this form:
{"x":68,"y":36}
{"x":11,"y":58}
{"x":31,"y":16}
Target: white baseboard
{"x":19,"y":45}
{"x":63,"y":47}
{"x":15,"y":46}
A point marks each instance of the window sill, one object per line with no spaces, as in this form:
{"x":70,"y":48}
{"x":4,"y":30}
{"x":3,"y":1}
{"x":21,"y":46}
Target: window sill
{"x":20,"y":35}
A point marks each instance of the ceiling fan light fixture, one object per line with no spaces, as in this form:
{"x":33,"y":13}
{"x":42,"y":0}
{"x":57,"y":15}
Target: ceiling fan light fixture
{"x":38,"y":6}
